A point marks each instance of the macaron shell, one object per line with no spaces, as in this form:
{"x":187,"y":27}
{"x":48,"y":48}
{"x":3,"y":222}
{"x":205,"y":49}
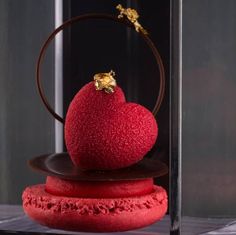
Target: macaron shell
{"x":98,"y":189}
{"x":94,"y":215}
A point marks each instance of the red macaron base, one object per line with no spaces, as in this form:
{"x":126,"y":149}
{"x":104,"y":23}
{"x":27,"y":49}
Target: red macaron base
{"x":94,"y":214}
{"x":98,"y":189}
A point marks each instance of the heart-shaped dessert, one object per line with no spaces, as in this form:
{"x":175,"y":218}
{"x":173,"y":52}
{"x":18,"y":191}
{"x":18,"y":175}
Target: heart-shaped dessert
{"x":103,"y":131}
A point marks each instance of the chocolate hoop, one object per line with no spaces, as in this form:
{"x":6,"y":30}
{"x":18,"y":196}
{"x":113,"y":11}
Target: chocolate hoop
{"x":105,"y":17}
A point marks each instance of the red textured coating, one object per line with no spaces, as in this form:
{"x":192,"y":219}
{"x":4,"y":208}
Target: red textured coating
{"x":98,"y":189}
{"x":103,"y":131}
{"x":94,"y":215}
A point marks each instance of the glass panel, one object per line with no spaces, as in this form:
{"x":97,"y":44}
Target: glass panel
{"x":209,"y":113}
{"x":26,"y":129}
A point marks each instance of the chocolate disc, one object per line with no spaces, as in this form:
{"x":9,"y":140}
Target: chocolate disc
{"x":60,"y":165}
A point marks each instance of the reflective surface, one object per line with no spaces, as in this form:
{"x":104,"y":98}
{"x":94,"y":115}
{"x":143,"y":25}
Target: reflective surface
{"x":12,"y":218}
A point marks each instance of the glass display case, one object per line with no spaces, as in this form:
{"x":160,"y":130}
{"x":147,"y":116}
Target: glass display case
{"x":196,"y":129}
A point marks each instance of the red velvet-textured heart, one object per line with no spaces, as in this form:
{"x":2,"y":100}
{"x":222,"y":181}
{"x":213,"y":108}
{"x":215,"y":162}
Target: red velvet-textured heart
{"x":103,"y":131}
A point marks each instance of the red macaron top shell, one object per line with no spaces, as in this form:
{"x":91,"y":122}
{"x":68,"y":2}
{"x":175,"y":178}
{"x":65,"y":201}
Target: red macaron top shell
{"x":103,"y":131}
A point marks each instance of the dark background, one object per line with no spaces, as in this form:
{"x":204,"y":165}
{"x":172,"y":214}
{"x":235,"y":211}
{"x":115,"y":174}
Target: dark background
{"x":209,"y":87}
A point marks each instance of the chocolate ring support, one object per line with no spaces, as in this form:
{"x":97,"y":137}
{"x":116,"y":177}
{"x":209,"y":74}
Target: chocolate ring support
{"x":59,"y":165}
{"x":103,"y":17}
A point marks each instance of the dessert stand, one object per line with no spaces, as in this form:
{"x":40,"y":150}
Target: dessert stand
{"x":60,"y":165}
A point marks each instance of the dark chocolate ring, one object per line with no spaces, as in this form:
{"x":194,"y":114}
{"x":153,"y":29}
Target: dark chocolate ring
{"x":106,"y":17}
